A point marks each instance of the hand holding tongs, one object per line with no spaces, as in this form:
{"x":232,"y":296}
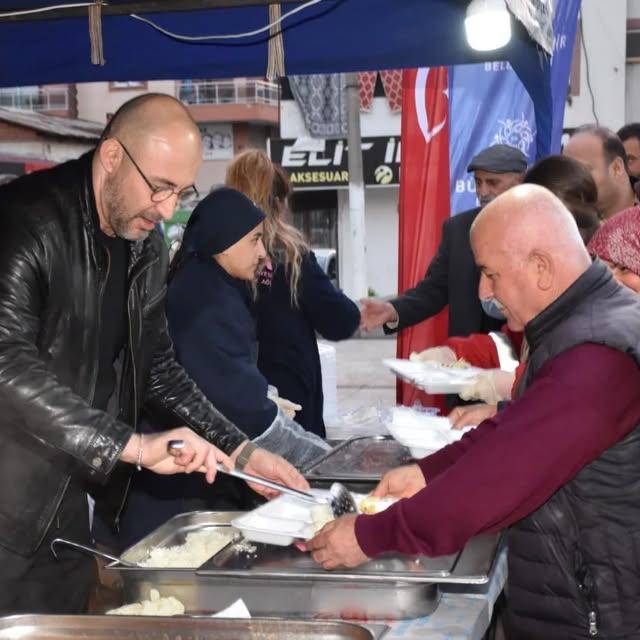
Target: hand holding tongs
{"x":339,"y":498}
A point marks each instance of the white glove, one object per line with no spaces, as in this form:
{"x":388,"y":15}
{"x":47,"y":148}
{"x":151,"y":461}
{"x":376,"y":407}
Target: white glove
{"x":440,"y":355}
{"x":490,"y":386}
{"x":288,"y":408}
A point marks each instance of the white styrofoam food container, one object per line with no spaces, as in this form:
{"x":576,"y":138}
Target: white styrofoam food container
{"x":422,"y":433}
{"x":280,"y":521}
{"x":432,"y":377}
{"x":285,"y":519}
{"x":329,"y":381}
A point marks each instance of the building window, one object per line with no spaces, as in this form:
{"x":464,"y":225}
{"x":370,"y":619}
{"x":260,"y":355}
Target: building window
{"x":130,"y":84}
{"x":315,"y":213}
{"x":217,"y":140}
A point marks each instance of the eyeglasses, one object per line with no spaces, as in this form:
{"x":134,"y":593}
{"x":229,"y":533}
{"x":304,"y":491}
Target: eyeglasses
{"x":160,"y":194}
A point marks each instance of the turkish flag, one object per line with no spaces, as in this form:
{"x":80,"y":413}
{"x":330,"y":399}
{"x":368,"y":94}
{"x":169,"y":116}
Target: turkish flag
{"x":37,"y":165}
{"x":424,"y":203}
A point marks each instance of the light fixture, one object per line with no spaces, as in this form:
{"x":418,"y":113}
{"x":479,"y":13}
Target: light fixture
{"x":488,"y":24}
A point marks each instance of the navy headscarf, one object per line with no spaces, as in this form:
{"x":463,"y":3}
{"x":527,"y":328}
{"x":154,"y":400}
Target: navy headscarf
{"x":219,"y":220}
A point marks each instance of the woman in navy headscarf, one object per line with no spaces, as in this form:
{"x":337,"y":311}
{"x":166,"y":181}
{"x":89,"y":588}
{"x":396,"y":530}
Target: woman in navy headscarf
{"x":209,"y":299}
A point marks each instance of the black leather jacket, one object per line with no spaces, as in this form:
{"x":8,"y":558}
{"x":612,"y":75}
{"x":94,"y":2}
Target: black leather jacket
{"x":52,"y":276}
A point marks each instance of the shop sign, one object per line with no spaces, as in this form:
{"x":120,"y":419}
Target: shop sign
{"x":322,"y":164}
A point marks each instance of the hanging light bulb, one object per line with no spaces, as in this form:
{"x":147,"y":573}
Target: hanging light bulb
{"x":488,"y":24}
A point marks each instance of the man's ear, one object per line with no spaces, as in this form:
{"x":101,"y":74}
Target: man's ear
{"x":617,"y":166}
{"x":110,"y":154}
{"x":543,"y":267}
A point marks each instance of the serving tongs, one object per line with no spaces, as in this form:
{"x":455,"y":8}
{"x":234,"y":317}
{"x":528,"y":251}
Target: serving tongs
{"x":340,"y":499}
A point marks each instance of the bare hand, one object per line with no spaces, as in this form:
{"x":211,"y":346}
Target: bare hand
{"x":271,"y":466}
{"x":374,"y":313}
{"x":471,"y":415}
{"x":196,"y":455}
{"x":402,"y":482}
{"x":336,"y":545}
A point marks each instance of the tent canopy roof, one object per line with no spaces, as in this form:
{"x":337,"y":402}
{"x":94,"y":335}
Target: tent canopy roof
{"x":328,"y":36}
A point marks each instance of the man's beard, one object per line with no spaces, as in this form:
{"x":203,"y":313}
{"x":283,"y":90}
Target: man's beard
{"x":117,"y":217}
{"x":485,"y":201}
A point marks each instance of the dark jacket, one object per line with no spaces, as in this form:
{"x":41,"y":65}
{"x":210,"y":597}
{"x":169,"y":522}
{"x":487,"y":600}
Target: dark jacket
{"x":288,"y":352}
{"x":451,"y":279}
{"x":574,"y":563}
{"x":214,"y":334}
{"x":53,"y":273}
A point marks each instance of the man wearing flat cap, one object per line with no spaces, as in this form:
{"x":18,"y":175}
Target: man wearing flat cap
{"x":452,"y":277}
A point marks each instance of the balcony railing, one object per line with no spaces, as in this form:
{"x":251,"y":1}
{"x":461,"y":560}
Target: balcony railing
{"x":229,"y":92}
{"x":39,"y":99}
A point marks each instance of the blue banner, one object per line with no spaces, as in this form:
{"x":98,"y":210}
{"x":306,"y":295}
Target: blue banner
{"x":565,"y":23}
{"x":489,"y":105}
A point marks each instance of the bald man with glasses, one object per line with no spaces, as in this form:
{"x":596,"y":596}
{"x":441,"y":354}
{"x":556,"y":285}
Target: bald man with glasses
{"x":84,"y":348}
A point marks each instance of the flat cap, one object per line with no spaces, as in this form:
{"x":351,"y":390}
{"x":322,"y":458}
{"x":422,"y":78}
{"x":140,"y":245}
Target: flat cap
{"x":499,"y":158}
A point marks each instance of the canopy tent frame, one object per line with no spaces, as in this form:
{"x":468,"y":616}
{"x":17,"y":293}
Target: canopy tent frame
{"x":139,"y":7}
{"x":332,"y":36}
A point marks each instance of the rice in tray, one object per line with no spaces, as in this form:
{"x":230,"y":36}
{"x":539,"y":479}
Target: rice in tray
{"x":156,"y":605}
{"x":197,"y":549}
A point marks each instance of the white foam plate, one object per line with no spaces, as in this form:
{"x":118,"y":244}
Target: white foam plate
{"x":419,"y":452}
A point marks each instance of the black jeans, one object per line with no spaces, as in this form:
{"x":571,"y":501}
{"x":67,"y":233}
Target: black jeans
{"x":42,"y":584}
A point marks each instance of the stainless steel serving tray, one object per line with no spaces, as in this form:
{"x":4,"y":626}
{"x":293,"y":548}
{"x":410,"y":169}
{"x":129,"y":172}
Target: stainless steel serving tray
{"x":175,"y":530}
{"x":39,"y":627}
{"x":470,"y":566}
{"x":361,"y":459}
{"x":283,"y":581}
{"x":296,"y":595}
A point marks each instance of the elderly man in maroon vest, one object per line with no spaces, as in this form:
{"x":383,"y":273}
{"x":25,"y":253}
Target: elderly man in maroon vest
{"x":558,"y":468}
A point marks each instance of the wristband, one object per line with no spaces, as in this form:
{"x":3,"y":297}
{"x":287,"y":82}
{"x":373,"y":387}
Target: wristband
{"x":139,"y":462}
{"x":245,"y":454}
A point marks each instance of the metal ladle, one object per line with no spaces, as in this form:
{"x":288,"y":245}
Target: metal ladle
{"x":340,"y":499}
{"x":91,"y":551}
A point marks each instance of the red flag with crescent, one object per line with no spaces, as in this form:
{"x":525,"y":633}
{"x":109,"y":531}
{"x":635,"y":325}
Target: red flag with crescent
{"x":424,"y":202}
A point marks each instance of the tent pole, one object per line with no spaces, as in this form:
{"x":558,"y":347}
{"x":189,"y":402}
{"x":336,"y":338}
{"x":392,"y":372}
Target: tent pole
{"x":356,"y":281}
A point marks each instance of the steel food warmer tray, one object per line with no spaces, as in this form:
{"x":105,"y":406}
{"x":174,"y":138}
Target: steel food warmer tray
{"x":358,"y":462}
{"x":284,"y":581}
{"x":39,"y":627}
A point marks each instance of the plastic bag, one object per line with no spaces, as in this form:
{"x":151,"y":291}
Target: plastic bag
{"x":291,"y":441}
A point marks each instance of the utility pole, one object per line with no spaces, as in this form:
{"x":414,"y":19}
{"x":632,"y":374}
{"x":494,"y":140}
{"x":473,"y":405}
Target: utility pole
{"x":355,"y":284}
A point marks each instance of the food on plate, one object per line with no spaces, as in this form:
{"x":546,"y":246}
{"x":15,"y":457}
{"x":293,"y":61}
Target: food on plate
{"x":156,"y":605}
{"x":370,"y":505}
{"x":460,"y":363}
{"x":198,"y":547}
{"x":320,"y":515}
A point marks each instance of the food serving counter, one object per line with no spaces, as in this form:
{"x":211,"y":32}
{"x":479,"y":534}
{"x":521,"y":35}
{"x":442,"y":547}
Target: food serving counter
{"x":34,"y":627}
{"x":417,"y":597}
{"x":284,"y":581}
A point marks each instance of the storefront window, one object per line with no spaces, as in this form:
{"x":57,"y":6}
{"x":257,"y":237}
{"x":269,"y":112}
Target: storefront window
{"x":315,"y":213}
